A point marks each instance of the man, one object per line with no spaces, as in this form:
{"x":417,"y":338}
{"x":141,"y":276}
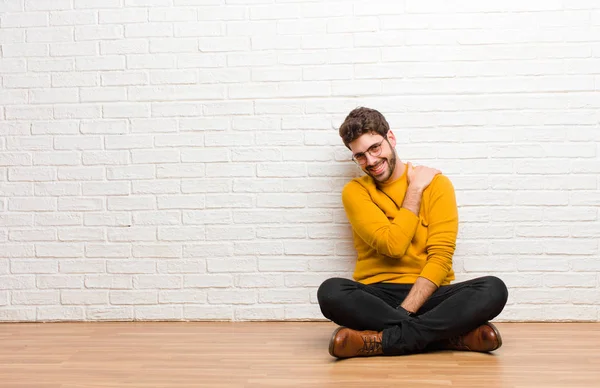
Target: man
{"x":404,"y":221}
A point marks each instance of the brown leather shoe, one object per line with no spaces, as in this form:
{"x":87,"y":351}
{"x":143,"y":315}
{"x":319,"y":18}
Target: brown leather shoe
{"x":485,"y":338}
{"x":346,"y":343}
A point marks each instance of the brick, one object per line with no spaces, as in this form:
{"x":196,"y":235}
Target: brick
{"x":204,"y":29}
{"x":80,"y":111}
{"x":133,"y":297}
{"x":84,"y":297}
{"x":175,"y":14}
{"x":35,"y":297}
{"x":208,"y":281}
{"x":157,"y":282}
{"x":173,"y":77}
{"x":32,"y":235}
{"x":234,"y":297}
{"x":24,"y":19}
{"x":126,"y":110}
{"x":109,"y":313}
{"x":122,"y":16}
{"x":13,"y":97}
{"x":108,"y":219}
{"x":182,"y":296}
{"x":182,"y":266}
{"x":50,"y":34}
{"x":131,"y":203}
{"x":73,"y":50}
{"x":17,"y":219}
{"x":79,"y":204}
{"x":83,"y":173}
{"x":162,"y":186}
{"x":59,"y":282}
{"x":60,"y":313}
{"x":304,"y":312}
{"x":58,"y":219}
{"x":131,"y":266}
{"x":159,"y":313}
{"x":176,"y":109}
{"x":259,"y":313}
{"x":131,"y":172}
{"x":19,"y":314}
{"x":203,"y":60}
{"x":123,"y":78}
{"x":33,"y":204}
{"x":44,"y":266}
{"x":132,"y":234}
{"x":41,"y":5}
{"x":30,"y":81}
{"x":74,"y":79}
{"x":18,"y":50}
{"x":72,"y":18}
{"x":101,"y":250}
{"x":218,"y":313}
{"x":156,"y":218}
{"x":86,"y":33}
{"x":80,"y":266}
{"x":181,"y":233}
{"x":223,"y":44}
{"x":112,"y":281}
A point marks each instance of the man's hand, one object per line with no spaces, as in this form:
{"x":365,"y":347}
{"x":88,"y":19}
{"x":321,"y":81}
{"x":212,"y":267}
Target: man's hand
{"x":420,"y":177}
{"x":418,"y":295}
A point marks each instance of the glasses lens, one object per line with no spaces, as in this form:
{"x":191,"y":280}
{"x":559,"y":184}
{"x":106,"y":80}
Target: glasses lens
{"x":375,"y":150}
{"x":360,"y":159}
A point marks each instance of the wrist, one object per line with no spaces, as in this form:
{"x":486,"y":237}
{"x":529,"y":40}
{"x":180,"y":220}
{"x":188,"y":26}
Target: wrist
{"x":409,"y":311}
{"x":415,"y":189}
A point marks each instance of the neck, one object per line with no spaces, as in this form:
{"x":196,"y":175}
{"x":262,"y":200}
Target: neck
{"x":398,"y":172}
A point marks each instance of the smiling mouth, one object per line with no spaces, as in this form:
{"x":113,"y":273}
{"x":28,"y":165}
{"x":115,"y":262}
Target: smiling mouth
{"x":378,"y":169}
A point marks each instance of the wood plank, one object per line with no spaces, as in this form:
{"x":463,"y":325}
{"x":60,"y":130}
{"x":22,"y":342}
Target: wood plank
{"x":280,"y":354}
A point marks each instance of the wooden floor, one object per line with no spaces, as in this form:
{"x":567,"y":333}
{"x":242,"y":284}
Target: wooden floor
{"x":194,"y":354}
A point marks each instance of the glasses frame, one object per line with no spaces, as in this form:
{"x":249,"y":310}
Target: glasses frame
{"x":357,"y":156}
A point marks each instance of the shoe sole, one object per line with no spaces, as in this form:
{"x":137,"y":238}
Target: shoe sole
{"x":332,"y":342}
{"x":497,"y":335}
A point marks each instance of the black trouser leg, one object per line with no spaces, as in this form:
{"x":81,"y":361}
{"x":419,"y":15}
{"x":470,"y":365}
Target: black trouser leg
{"x":452,"y":310}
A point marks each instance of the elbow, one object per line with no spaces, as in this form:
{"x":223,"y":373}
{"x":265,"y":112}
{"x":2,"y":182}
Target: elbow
{"x":389,"y":245}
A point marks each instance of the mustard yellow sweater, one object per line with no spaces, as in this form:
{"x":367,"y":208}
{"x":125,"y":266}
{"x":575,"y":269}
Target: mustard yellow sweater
{"x":393,"y":244}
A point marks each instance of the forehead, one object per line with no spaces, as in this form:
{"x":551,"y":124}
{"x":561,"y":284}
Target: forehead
{"x":364,"y":141}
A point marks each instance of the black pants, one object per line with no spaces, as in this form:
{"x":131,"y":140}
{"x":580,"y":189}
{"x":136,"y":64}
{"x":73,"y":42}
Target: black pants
{"x":451,"y":311}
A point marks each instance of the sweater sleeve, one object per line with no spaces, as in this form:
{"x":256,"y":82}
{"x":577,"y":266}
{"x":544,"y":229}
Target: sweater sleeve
{"x":372,"y":225}
{"x":442,"y":230}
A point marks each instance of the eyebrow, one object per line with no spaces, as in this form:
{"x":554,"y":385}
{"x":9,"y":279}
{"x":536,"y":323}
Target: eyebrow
{"x":371,"y":146}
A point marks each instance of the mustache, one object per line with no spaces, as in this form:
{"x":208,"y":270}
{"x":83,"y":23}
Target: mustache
{"x":376,"y":165}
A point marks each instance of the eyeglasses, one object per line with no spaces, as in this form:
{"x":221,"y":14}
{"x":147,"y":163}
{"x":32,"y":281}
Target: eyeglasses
{"x":374,"y":150}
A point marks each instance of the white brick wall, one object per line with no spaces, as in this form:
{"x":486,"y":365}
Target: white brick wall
{"x":179,"y":159}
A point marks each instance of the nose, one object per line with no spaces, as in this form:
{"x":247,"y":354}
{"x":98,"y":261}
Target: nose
{"x":371,"y":160}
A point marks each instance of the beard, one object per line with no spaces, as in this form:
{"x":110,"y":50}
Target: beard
{"x":387,"y":172}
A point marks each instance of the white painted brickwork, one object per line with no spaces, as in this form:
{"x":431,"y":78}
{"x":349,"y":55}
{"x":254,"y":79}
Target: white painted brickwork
{"x":179,"y":159}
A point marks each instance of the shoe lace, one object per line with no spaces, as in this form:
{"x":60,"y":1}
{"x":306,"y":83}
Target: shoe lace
{"x":457,"y":342}
{"x":371,"y":344}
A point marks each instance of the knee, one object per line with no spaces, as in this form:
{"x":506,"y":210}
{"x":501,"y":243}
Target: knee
{"x":329,"y":291}
{"x":497,"y":290}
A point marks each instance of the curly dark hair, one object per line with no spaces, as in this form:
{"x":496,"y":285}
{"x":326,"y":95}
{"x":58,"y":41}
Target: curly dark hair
{"x":360,"y":121}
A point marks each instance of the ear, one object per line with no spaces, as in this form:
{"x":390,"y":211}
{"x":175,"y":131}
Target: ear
{"x":392,"y":138}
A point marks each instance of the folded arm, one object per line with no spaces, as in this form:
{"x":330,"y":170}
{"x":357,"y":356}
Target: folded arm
{"x":390,"y":238}
{"x":440,"y":245}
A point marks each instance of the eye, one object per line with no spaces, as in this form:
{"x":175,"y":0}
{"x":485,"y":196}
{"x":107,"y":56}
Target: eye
{"x":375,"y":149}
